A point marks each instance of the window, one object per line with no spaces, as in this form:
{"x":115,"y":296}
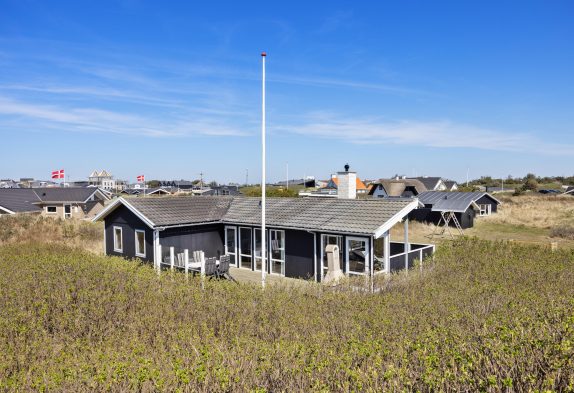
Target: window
{"x":140,"y":243}
{"x":231,"y":244}
{"x":245,"y":247}
{"x":67,"y":211}
{"x":379,"y":254}
{"x":51,"y":209}
{"x":277,"y":242}
{"x":325,"y":241}
{"x":485,"y":210}
{"x":118,"y":241}
{"x":257,"y":242}
{"x":357,"y":255}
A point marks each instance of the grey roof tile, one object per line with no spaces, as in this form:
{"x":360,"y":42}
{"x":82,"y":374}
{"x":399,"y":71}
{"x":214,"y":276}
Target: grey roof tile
{"x":451,"y":201}
{"x":318,"y":214}
{"x":64,"y":194}
{"x":19,"y":200}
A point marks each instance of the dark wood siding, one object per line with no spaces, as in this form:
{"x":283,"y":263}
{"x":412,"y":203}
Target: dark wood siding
{"x":129,"y":222}
{"x":466,"y":219}
{"x":207,"y":238}
{"x":299,"y":251}
{"x":486,"y":200}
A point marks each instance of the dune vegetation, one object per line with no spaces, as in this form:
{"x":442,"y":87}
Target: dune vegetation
{"x":484,"y":316}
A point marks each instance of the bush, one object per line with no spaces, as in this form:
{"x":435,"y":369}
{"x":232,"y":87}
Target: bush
{"x":564,"y":231}
{"x":486,"y":317}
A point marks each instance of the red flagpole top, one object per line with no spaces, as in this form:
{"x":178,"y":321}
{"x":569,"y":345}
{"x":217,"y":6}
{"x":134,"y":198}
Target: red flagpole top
{"x":263,"y":54}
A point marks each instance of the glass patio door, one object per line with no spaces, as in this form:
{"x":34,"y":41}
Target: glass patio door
{"x":245,"y":247}
{"x":357,"y":255}
{"x":231,"y":244}
{"x":277,"y":243}
{"x":257,"y":242}
{"x":325,"y":241}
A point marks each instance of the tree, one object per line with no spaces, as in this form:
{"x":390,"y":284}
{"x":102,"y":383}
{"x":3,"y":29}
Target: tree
{"x":530,"y":184}
{"x":153,"y":183}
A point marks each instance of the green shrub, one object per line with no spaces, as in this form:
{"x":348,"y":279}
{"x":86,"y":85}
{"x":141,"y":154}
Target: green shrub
{"x":483,"y":317}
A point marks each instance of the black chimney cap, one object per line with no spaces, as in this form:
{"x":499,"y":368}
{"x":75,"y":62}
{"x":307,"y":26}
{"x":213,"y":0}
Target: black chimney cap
{"x":347,"y":167}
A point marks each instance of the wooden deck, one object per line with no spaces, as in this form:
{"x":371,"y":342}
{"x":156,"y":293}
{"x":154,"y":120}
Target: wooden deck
{"x":249,"y":276}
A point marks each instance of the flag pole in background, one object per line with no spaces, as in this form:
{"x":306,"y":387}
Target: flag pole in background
{"x":263,"y":236}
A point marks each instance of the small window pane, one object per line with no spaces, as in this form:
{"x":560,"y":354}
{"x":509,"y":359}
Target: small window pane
{"x":140,"y":243}
{"x":357,"y":256}
{"x":118,"y":245}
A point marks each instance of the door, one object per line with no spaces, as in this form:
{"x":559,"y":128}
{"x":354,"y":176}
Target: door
{"x":257,"y":247}
{"x":325,"y":241}
{"x":245,"y":247}
{"x":67,"y":211}
{"x":277,"y":243}
{"x":357,"y":255}
{"x":231,"y":244}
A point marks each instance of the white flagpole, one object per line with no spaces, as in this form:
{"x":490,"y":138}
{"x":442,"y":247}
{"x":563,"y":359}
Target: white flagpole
{"x":263,"y":237}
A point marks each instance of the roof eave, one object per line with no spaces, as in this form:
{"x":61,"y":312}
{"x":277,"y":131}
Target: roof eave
{"x":121,"y":201}
{"x":396,"y":218}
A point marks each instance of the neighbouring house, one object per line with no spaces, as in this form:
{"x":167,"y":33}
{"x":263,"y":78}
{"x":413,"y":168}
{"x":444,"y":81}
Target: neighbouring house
{"x":18,"y":200}
{"x":298,"y":231}
{"x":157,"y":191}
{"x":345,"y":185}
{"x":388,"y":188}
{"x":232,"y":190}
{"x":333,"y":184}
{"x":181,"y":184}
{"x":464,"y":205}
{"x":432,"y":183}
{"x":9,"y":183}
{"x":43,"y":184}
{"x":308,"y":182}
{"x":103,"y":180}
{"x":451,"y":185}
{"x":64,"y":202}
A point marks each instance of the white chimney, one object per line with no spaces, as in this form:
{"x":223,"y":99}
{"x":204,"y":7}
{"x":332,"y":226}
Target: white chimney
{"x":347,"y":188}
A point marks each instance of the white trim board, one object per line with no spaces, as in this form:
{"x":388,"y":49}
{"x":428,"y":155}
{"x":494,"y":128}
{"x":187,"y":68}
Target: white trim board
{"x":7,"y":210}
{"x":114,"y":206}
{"x":396,"y":218}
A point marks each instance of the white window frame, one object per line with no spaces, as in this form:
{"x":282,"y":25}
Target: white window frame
{"x":254,"y":245}
{"x":54,"y":212}
{"x":69,"y":215}
{"x":241,"y":254}
{"x":323,"y":245}
{"x":270,"y":248}
{"x":485,"y":209}
{"x":367,"y":255}
{"x":139,"y":254}
{"x":234,"y":251}
{"x":116,"y":249}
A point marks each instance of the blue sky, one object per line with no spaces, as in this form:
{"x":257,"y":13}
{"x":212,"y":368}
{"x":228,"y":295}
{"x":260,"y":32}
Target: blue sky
{"x":172,"y":89}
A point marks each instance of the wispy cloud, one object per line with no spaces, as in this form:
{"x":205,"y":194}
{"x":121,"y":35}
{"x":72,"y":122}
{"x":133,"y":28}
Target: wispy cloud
{"x":24,"y":115}
{"x":440,"y":134}
{"x":347,"y":83}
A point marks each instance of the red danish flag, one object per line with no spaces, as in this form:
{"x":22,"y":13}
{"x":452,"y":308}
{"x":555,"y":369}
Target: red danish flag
{"x":141,"y":178}
{"x":58,"y":174}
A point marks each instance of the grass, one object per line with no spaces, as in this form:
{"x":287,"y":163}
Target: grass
{"x":32,"y":228}
{"x":483,"y":317}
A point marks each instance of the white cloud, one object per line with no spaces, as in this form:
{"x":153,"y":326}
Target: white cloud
{"x":23,"y":115}
{"x":440,"y":134}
